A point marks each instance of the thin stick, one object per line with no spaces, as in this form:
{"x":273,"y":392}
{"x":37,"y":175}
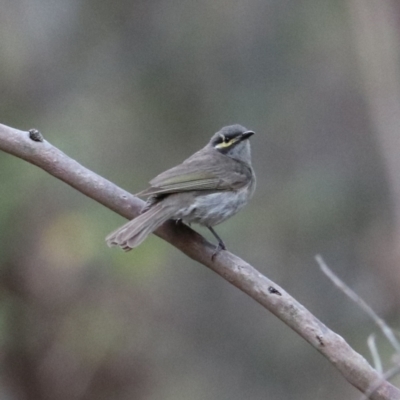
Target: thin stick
{"x":386,"y":330}
{"x":374,"y":353}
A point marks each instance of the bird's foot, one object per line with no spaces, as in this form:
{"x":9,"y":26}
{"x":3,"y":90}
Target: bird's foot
{"x":179,"y":221}
{"x":220,"y":246}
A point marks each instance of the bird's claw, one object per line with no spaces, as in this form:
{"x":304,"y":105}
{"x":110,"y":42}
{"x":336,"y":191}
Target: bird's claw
{"x":220,"y":246}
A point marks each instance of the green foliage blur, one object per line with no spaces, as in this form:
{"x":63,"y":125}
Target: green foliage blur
{"x":130,"y":88}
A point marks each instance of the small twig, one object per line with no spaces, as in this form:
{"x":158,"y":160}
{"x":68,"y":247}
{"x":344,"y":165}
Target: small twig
{"x":374,"y":353}
{"x":386,"y":330}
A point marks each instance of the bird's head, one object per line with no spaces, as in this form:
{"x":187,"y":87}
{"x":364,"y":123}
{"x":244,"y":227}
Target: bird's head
{"x":233,"y":141}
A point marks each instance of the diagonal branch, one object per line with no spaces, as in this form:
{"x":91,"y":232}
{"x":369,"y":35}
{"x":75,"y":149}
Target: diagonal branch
{"x":32,"y":148}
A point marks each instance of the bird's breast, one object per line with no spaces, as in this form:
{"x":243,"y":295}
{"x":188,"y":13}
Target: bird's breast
{"x":213,"y":208}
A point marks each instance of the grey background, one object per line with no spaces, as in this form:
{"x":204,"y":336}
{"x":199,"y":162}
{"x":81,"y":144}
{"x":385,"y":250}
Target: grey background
{"x":130,"y":88}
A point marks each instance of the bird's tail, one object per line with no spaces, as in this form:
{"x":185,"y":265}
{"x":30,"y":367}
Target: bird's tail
{"x":134,"y":232}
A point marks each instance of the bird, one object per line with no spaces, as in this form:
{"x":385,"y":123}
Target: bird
{"x":207,"y":188}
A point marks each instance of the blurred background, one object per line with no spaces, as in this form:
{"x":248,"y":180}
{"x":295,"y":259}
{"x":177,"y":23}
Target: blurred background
{"x":131,"y":88}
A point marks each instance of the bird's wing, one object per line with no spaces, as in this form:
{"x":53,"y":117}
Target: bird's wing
{"x":200,"y":172}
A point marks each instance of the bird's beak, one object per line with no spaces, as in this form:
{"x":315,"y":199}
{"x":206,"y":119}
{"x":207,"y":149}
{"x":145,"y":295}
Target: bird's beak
{"x":246,"y":135}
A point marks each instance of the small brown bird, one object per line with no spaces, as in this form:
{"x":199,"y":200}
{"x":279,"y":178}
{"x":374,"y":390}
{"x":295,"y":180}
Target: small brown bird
{"x":207,"y":188}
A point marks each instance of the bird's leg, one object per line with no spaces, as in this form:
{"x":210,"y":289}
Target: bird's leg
{"x":221,"y":244}
{"x":180,"y":221}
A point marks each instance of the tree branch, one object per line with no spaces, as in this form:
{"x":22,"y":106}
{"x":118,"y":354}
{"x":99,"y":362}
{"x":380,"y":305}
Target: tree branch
{"x":31,"y":147}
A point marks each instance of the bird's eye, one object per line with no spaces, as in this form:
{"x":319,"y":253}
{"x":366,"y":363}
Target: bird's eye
{"x":223,"y":139}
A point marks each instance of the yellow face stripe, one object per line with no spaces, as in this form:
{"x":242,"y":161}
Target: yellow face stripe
{"x":225,"y":144}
